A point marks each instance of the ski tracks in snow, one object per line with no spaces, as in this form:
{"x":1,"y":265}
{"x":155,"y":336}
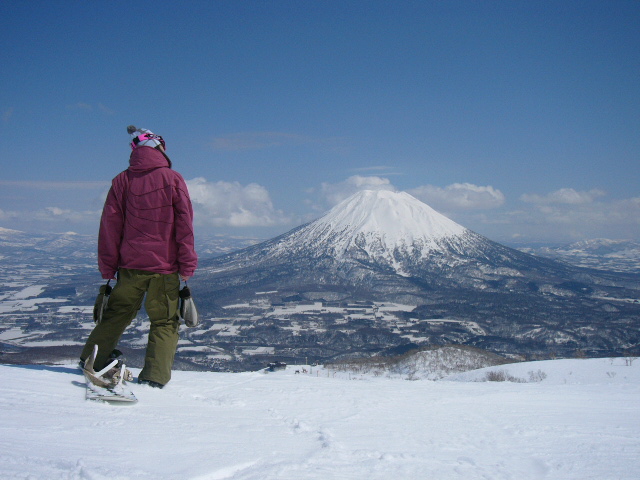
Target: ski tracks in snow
{"x":281,"y":426}
{"x":351,"y":430}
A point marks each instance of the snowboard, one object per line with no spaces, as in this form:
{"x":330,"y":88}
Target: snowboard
{"x":120,"y":394}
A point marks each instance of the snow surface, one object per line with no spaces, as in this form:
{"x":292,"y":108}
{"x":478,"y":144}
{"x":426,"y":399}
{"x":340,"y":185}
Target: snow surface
{"x":581,"y":421}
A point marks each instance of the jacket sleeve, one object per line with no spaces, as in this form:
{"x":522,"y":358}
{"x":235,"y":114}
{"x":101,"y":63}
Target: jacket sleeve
{"x":187,"y":258}
{"x":111,"y":228}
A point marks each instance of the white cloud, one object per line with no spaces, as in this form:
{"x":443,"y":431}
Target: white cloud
{"x":583,"y":211}
{"x":63,"y":214}
{"x":567,"y":217}
{"x":220,"y":204}
{"x":567,"y":196}
{"x":459,"y":196}
{"x":55,"y":211}
{"x":334,"y":193}
{"x":230,"y":204}
{"x":593,"y":213}
{"x":55,"y":215}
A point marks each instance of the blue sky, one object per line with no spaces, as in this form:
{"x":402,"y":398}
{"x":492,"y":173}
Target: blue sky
{"x":517,"y":119}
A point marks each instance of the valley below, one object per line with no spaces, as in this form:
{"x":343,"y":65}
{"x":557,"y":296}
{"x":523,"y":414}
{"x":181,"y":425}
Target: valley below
{"x":46,"y":316}
{"x":315,"y":310}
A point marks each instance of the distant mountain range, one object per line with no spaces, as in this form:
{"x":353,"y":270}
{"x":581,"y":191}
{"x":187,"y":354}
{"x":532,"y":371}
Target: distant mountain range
{"x":380,"y":273}
{"x":601,"y":254}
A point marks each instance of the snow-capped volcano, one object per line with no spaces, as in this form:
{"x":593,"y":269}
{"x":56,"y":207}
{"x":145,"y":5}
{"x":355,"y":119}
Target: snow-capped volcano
{"x":380,"y":223}
{"x":382,"y":242}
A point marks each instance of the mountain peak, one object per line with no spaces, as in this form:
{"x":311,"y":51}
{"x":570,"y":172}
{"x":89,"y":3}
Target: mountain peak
{"x":380,"y":224}
{"x":396,"y":216}
{"x":379,"y":236}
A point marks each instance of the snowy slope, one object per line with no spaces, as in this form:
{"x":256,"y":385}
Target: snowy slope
{"x":287,"y":426}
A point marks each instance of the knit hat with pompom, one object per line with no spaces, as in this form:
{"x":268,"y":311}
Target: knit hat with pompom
{"x":141,"y":137}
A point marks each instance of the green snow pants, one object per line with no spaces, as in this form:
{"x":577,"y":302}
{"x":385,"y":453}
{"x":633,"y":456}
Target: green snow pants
{"x":162,"y":307}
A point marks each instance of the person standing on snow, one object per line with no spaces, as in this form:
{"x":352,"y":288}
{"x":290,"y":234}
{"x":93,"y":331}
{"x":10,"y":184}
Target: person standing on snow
{"x":146,"y":241}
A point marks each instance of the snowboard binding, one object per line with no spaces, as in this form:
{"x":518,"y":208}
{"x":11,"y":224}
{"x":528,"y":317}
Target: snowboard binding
{"x":110,"y":377}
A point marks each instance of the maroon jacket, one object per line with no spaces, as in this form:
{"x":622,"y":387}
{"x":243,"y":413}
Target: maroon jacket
{"x":155,"y":230}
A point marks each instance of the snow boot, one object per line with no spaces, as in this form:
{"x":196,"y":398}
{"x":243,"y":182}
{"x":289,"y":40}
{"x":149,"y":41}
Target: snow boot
{"x":151,"y":383}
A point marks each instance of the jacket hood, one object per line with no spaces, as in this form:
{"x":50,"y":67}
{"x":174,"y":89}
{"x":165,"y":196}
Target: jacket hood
{"x":147,"y":158}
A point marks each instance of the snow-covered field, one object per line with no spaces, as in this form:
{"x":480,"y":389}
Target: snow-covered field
{"x":577,"y":419}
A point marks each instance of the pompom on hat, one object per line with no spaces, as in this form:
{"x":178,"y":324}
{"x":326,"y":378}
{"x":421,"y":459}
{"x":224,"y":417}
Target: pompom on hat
{"x":141,"y":137}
